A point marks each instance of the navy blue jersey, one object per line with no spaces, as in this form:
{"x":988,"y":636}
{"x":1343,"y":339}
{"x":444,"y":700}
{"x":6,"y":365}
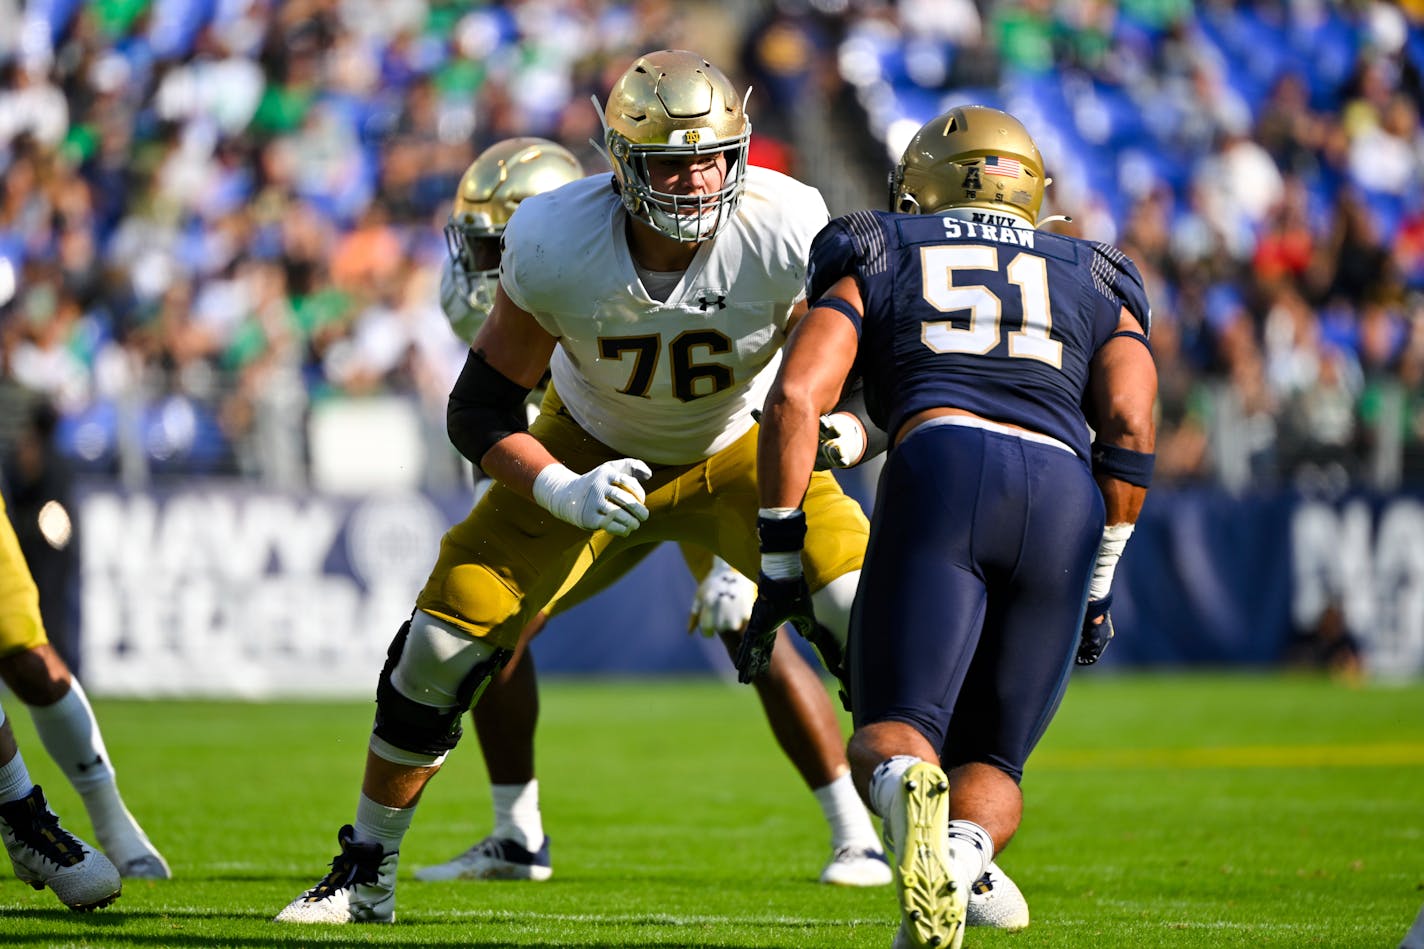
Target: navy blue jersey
{"x":998,"y":321}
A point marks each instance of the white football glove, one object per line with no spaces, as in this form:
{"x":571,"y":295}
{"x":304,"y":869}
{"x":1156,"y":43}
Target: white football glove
{"x":465,"y":310}
{"x":723,"y":602}
{"x":610,"y":497}
{"x":842,"y":440}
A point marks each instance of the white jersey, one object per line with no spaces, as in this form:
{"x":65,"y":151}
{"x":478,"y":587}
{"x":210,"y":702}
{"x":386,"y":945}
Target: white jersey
{"x":674,"y":382}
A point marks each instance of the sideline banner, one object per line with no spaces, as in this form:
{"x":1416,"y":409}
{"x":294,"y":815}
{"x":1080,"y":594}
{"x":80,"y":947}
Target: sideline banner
{"x":1212,"y":579}
{"x":238,"y":592}
{"x":227,"y":591}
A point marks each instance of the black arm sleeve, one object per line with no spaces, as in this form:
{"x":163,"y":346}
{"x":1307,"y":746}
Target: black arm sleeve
{"x":485,"y":406}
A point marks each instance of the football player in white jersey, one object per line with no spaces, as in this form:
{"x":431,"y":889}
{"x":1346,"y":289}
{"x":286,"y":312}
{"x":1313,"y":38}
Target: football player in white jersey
{"x":659,"y":301}
{"x":492,"y":187}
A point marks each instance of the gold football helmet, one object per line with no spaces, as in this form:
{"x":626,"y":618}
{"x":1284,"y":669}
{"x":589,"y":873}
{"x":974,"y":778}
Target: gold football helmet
{"x":672,"y":104}
{"x":491,"y":188}
{"x":971,"y":156}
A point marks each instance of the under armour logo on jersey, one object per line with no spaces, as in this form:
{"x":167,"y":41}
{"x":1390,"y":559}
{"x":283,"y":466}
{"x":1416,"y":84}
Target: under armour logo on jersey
{"x":712,"y":298}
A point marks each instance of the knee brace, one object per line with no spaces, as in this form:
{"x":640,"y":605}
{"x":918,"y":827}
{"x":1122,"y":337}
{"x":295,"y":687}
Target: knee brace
{"x":433,"y":673}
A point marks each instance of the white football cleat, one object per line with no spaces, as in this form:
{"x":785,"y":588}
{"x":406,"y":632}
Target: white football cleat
{"x":150,"y":866}
{"x":932,"y":901}
{"x":494,"y":858}
{"x":361,"y":887}
{"x":857,"y":865}
{"x":724,"y":599}
{"x":44,"y":854}
{"x":129,"y":848}
{"x":996,"y":901}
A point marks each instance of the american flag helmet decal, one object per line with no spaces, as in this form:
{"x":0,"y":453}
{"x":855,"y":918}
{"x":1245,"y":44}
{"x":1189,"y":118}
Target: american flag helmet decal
{"x":1008,"y":167}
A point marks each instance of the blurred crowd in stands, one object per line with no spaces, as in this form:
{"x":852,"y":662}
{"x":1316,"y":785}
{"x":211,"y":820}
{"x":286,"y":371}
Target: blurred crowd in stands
{"x":218,"y":215}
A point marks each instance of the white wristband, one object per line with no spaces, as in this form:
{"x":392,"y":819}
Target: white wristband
{"x":780,"y":566}
{"x":1109,"y":551}
{"x":777,"y":513}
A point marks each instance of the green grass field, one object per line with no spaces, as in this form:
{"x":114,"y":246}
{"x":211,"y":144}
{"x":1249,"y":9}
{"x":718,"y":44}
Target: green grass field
{"x":1160,"y":811}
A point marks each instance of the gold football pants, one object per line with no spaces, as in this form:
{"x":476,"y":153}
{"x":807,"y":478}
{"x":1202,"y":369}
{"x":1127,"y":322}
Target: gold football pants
{"x":20,"y":624}
{"x":509,"y":558}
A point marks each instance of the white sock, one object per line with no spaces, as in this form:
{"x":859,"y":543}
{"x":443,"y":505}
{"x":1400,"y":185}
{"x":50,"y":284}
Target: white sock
{"x":377,"y":823}
{"x":15,"y":780}
{"x":885,"y":782}
{"x":71,"y":736}
{"x":70,"y":733}
{"x":850,"y":824}
{"x":972,"y":848}
{"x":516,"y":814}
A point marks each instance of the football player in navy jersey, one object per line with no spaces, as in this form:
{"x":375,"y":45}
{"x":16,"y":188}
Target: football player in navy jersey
{"x":1011,"y":369}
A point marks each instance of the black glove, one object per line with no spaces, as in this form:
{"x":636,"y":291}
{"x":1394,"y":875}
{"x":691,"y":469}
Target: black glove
{"x":777,"y":602}
{"x":1096,"y":635}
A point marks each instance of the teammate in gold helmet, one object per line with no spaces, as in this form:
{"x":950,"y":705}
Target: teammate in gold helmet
{"x":491,"y":188}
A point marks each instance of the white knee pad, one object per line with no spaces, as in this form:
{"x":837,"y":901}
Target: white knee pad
{"x":833,"y":602}
{"x":436,"y":660}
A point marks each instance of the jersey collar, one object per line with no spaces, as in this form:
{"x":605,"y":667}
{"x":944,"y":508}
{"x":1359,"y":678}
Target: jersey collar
{"x":998,"y":217}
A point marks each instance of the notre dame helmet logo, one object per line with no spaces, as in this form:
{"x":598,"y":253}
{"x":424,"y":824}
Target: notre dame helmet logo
{"x":692,"y":137}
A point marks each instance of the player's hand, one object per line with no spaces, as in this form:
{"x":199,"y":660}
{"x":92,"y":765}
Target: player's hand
{"x":1097,"y":632}
{"x":457,"y":299}
{"x":723,"y":602}
{"x":842,"y":440}
{"x":777,"y":602}
{"x":610,"y":497}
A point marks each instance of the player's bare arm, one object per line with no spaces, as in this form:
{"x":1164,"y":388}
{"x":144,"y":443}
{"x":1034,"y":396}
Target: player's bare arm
{"x":816,"y":362}
{"x":486,"y":422}
{"x":1122,"y":392}
{"x":507,"y":358}
{"x":1122,"y":395}
{"x":797,"y":314}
